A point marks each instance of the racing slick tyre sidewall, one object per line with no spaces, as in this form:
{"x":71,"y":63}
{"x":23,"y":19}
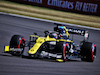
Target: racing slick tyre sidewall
{"x":17,"y":41}
{"x":88,"y":51}
{"x":64,"y":52}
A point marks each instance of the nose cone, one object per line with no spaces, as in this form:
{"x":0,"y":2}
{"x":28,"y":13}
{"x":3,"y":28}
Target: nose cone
{"x":31,"y":51}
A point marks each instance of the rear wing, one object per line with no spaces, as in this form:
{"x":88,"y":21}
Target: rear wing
{"x":73,"y":31}
{"x":76,"y":31}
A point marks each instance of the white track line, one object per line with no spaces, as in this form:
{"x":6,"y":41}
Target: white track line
{"x":49,"y":21}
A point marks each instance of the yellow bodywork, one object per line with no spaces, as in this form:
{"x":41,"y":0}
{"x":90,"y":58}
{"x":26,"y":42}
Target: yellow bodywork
{"x":6,"y":49}
{"x":34,"y":49}
{"x":40,"y":41}
{"x":60,"y":60}
{"x":66,"y":32}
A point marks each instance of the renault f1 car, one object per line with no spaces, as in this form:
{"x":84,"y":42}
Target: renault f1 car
{"x":55,"y":44}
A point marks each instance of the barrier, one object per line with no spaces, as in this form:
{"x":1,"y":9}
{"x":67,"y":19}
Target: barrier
{"x":91,"y":7}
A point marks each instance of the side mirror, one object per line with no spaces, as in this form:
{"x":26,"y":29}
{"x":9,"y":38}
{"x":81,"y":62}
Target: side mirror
{"x":46,"y":33}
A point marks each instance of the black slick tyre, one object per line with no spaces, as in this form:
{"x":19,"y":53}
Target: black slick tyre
{"x":63,"y":48}
{"x":17,"y":41}
{"x":88,"y":51}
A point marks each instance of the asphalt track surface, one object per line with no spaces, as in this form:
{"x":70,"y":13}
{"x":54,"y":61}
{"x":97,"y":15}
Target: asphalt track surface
{"x":12,"y":65}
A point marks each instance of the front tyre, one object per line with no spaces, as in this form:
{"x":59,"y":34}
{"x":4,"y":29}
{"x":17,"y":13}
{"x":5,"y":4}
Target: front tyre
{"x":63,"y":48}
{"x":65,"y":52}
{"x":88,"y":51}
{"x":17,"y":42}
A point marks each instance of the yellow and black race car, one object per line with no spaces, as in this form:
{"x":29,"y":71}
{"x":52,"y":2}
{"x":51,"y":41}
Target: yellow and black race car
{"x":55,"y":44}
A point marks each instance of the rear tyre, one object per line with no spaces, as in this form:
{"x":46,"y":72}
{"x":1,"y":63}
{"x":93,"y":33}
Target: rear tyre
{"x":88,"y":51}
{"x":17,"y":41}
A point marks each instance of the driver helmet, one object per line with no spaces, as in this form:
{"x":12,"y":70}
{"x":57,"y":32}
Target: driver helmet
{"x":53,"y":35}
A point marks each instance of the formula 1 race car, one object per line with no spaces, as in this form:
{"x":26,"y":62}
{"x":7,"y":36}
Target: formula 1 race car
{"x":55,"y":44}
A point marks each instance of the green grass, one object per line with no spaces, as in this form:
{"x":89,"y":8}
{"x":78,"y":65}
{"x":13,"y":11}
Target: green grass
{"x":49,"y":14}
